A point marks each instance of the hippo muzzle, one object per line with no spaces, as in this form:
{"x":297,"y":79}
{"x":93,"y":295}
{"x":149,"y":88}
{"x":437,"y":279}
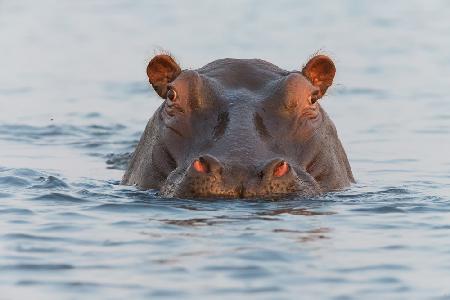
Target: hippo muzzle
{"x":207,"y":177}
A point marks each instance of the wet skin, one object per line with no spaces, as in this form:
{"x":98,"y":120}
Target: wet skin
{"x":240,"y":128}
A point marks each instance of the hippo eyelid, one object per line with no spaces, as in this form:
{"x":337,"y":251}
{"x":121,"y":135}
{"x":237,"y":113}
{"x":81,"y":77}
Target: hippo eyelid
{"x":171,"y":87}
{"x":171,"y":95}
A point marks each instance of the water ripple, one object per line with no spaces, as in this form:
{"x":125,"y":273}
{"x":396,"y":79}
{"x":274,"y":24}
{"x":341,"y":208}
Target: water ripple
{"x":50,"y":182}
{"x":16,"y":211}
{"x":368,"y":268}
{"x":8,"y":181}
{"x":36,"y":267}
{"x":380,"y":210}
{"x":60,"y":198}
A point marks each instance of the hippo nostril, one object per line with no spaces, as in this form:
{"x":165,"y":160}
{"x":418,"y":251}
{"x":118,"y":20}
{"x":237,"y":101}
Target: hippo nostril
{"x":201,"y":165}
{"x":207,"y":164}
{"x":275,"y":168}
{"x":281,"y":169}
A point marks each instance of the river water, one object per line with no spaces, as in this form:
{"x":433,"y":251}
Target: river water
{"x":74,"y":99}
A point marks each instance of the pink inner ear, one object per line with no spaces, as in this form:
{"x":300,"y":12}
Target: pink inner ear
{"x":320,"y":71}
{"x":161,"y":70}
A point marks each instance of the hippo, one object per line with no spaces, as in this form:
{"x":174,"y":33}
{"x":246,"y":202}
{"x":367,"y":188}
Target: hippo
{"x":240,"y":128}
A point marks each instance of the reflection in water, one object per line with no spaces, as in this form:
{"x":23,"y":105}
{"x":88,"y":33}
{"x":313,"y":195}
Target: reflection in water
{"x":306,"y":236}
{"x":295,"y":211}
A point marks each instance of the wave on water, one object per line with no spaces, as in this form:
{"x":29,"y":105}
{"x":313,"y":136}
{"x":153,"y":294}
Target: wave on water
{"x":65,"y":134}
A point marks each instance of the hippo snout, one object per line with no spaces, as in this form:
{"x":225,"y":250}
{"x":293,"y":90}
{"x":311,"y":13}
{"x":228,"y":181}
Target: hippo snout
{"x":211,"y":177}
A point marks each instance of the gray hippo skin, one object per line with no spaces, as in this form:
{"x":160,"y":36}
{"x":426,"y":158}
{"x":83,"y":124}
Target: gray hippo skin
{"x":239,"y":128}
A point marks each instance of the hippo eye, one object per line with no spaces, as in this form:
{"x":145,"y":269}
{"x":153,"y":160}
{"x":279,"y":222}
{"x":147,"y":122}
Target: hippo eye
{"x":171,"y":95}
{"x":314,"y":96}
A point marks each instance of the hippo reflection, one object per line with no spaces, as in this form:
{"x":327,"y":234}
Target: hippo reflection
{"x":239,"y":128}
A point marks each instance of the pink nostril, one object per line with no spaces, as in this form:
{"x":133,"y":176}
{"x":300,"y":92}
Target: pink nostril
{"x":281,"y":169}
{"x":200,"y":166}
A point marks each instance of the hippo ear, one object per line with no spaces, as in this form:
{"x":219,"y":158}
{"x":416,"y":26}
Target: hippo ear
{"x":320,"y":71}
{"x":161,"y":70}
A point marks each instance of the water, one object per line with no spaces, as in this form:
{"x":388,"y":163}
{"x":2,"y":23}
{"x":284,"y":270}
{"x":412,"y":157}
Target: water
{"x":74,"y":101}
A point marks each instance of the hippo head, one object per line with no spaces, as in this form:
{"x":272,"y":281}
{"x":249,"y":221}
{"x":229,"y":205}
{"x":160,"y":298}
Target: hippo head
{"x":239,"y":128}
